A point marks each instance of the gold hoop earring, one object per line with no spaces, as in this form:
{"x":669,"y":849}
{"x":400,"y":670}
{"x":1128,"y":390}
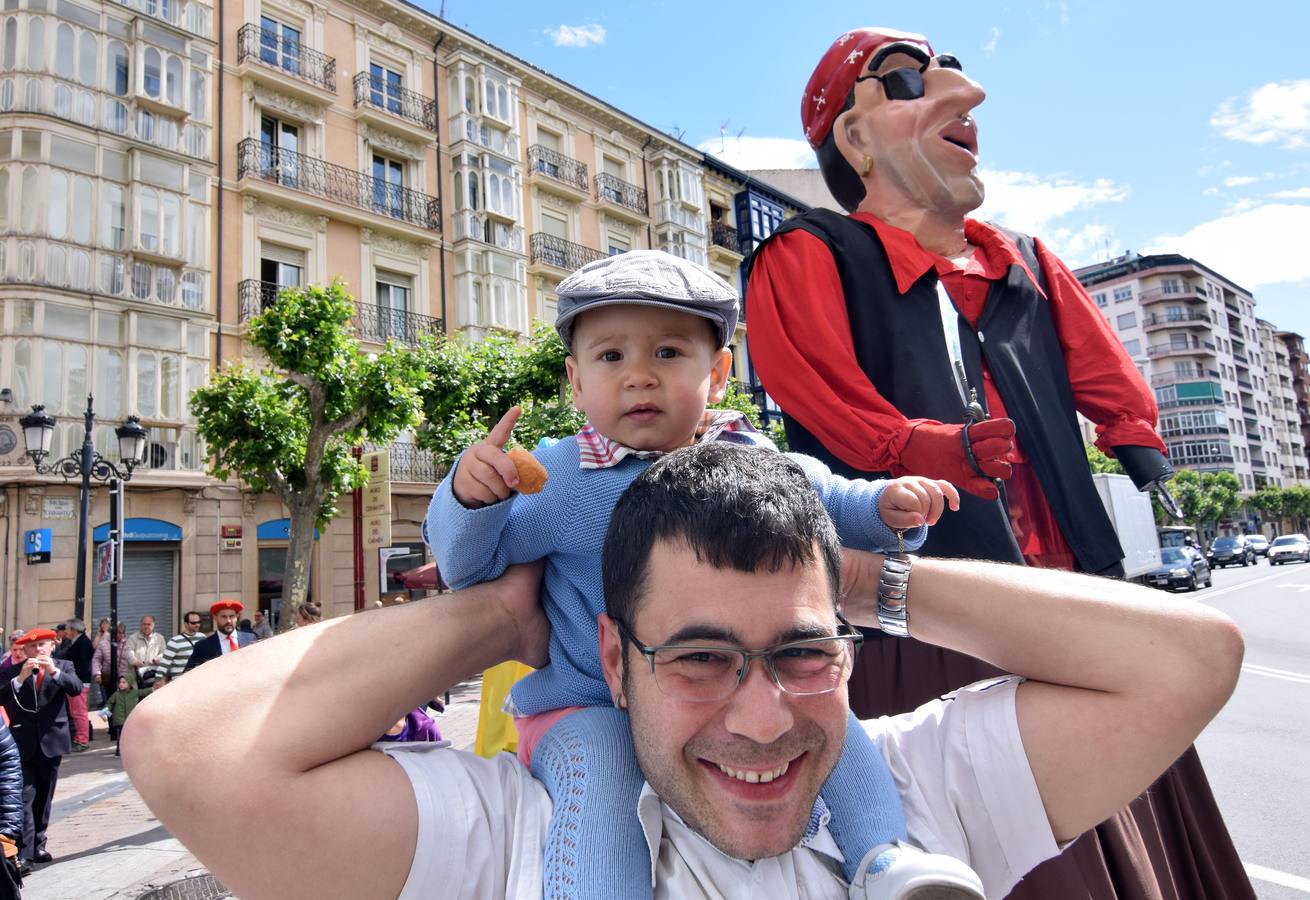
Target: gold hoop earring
{"x":866,"y":165}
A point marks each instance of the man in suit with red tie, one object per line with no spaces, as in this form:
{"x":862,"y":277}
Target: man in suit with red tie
{"x":225,"y":639}
{"x":35,"y":694}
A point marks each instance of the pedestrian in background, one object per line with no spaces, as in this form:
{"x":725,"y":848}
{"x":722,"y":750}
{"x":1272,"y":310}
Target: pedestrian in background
{"x":16,"y":654}
{"x":260,"y":626}
{"x":308,"y":614}
{"x":225,"y":639}
{"x":96,"y":697}
{"x":145,"y":649}
{"x":100,"y":663}
{"x":180,"y":646}
{"x":79,"y":653}
{"x":120,"y":706}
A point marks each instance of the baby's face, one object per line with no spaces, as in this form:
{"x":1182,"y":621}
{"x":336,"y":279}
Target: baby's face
{"x":643,"y":375}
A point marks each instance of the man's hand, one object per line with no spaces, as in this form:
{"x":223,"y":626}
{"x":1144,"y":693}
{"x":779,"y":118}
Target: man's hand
{"x":485,"y":474}
{"x":913,"y":500}
{"x":937,"y":451}
{"x":48,"y":664}
{"x":518,"y":593}
{"x":30,"y":665}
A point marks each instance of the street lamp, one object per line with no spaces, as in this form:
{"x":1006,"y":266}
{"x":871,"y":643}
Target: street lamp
{"x":38,"y":431}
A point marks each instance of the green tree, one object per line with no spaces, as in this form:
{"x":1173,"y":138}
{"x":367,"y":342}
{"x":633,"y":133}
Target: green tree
{"x":1270,"y":501}
{"x":1102,"y":464}
{"x":1206,"y":498}
{"x":290,"y":428}
{"x":473,"y":383}
{"x":1296,"y":506}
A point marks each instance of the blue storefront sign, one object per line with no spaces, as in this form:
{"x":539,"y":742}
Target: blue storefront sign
{"x":36,"y":544}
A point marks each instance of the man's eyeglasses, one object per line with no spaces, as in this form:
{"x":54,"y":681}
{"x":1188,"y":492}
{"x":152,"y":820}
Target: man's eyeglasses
{"x":906,"y":83}
{"x":705,"y":673}
{"x":195,"y":623}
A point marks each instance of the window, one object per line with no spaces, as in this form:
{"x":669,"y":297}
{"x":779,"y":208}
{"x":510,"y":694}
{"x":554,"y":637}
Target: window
{"x":109,"y":382}
{"x":1171,"y":286}
{"x":280,"y":142}
{"x":1127,"y":320}
{"x":86,"y":58}
{"x":281,"y":266}
{"x":30,"y":201}
{"x":548,"y":139}
{"x":384,"y":87}
{"x":152,"y":72}
{"x":65,"y":44}
{"x":199,"y":95}
{"x":279,"y":44}
{"x":147,"y":384}
{"x":57,"y":200}
{"x":173,"y":81}
{"x":1134,"y":347}
{"x":1099,"y":298}
{"x":389,"y":186}
{"x":36,"y":44}
{"x":619,"y":243}
{"x":116,"y":69}
{"x":393,"y":291}
{"x":172,"y":230}
{"x":148,"y":216}
{"x":9,"y":56}
{"x":470,"y":96}
{"x":113,"y":220}
{"x":1122,"y":293}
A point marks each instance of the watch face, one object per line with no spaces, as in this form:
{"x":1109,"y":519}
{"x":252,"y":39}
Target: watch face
{"x":8,"y":440}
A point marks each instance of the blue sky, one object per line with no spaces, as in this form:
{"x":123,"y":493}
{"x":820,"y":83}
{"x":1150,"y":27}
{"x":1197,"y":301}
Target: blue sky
{"x":1109,"y":126}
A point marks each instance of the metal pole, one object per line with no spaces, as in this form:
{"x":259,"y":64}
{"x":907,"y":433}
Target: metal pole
{"x":115,"y":529}
{"x":88,"y":455}
{"x":357,"y":538}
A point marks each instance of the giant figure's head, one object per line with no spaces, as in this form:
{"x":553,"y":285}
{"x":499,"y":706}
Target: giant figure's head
{"x":890,"y":123}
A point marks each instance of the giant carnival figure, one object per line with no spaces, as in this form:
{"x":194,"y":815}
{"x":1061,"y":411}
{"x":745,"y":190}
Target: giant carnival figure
{"x":906,"y":338}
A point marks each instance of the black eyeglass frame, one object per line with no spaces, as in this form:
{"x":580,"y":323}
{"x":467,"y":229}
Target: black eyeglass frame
{"x":845,"y":631}
{"x":906,"y":82}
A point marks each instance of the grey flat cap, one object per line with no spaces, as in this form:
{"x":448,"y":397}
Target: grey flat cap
{"x":646,"y":278}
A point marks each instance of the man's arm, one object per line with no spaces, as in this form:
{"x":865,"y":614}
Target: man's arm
{"x":342,"y":683}
{"x":1121,"y":679}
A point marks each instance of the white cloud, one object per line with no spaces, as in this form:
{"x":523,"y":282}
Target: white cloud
{"x":1240,"y":180}
{"x":577,"y":35}
{"x":761,"y":152}
{"x":992,"y":40}
{"x":1274,"y":113}
{"x":1297,"y":194}
{"x":1258,"y":246}
{"x":1031,"y":202}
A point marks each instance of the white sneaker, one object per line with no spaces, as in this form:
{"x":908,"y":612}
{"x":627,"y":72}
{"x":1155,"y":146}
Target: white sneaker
{"x":901,"y":872}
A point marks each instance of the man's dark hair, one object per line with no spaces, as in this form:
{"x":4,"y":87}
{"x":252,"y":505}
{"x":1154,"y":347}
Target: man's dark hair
{"x":843,"y":182}
{"x":742,"y":508}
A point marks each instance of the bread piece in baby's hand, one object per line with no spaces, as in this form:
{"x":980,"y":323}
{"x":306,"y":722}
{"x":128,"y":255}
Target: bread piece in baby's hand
{"x":532,"y":474}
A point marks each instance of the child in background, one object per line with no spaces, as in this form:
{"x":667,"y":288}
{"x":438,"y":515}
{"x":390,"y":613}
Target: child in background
{"x":121,"y":704}
{"x":647,"y":334}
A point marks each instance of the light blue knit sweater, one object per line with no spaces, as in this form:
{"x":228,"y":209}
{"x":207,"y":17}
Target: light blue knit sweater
{"x":565,"y":524}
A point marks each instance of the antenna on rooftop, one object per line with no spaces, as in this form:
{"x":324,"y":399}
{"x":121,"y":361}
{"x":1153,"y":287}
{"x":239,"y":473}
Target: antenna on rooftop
{"x":723,"y":131}
{"x":677,"y":132}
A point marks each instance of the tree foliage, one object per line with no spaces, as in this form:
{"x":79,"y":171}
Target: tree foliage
{"x":1100,"y":463}
{"x":290,"y":428}
{"x":473,"y":384}
{"x":1206,"y":498}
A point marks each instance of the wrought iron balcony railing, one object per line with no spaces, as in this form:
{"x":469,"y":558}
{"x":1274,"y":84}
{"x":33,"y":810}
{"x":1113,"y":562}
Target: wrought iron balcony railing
{"x":722,"y":235}
{"x":373,"y":323}
{"x":558,"y":166}
{"x":379,"y":93}
{"x":561,"y":254}
{"x":616,"y":190}
{"x":409,"y":462}
{"x":378,"y":324}
{"x":271,"y":49}
{"x":332,"y":182}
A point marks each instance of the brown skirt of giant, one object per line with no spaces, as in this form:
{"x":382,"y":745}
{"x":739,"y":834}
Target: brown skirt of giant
{"x":1168,"y":844}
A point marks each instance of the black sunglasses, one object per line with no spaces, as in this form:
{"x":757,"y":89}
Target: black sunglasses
{"x":906,"y":83}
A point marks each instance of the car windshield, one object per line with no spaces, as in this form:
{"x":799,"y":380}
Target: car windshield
{"x":1225,"y":543}
{"x":1171,"y":556}
{"x":1289,"y":539}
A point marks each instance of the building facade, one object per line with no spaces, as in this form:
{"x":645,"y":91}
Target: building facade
{"x":1194,"y":336}
{"x":1283,"y":403}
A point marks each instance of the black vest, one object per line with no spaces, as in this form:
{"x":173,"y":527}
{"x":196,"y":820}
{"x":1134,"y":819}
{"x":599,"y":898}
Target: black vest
{"x":899,"y":345}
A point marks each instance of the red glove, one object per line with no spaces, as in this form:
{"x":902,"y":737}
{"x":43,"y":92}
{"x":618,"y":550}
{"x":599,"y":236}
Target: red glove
{"x":937,"y":451}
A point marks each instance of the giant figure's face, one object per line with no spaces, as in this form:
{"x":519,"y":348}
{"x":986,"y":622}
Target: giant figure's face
{"x":743,"y":771}
{"x":923,"y":150}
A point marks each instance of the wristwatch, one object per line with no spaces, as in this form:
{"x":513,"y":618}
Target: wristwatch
{"x":893,"y":589}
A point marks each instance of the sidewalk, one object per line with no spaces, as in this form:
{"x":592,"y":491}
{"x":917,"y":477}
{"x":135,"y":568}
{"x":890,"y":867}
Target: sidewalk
{"x":108,"y":846}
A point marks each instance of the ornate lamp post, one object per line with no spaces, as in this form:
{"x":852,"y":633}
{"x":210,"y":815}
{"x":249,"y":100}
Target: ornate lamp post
{"x":38,"y":430}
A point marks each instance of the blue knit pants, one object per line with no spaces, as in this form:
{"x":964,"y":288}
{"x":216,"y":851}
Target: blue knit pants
{"x":595,"y":849}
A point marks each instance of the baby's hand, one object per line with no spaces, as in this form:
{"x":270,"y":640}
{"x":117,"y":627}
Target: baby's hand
{"x":914,"y":500}
{"x":485,"y":474}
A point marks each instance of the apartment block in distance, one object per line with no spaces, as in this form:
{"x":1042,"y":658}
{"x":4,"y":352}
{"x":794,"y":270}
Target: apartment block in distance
{"x":1194,"y":335}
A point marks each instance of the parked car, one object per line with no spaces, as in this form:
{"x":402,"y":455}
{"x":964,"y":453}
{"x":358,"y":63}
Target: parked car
{"x":1260,"y":543}
{"x":1231,"y":550}
{"x":1288,"y":547}
{"x":1180,"y":569}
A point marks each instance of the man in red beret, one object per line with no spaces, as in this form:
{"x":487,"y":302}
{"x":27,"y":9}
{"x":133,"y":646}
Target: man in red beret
{"x":35,"y":695}
{"x":225,"y":639}
{"x":907,"y":338}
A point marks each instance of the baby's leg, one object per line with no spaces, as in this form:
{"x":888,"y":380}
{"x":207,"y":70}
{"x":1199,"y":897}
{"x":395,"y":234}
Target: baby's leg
{"x":862,"y":797}
{"x":595,"y":847}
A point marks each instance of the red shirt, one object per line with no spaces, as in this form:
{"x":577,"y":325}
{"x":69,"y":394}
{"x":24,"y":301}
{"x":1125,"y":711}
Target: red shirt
{"x":801,"y":346}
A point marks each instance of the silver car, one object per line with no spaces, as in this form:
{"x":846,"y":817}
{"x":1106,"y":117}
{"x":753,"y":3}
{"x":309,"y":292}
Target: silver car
{"x":1289,"y":547}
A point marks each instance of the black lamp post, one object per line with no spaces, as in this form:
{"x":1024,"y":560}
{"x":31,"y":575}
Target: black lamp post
{"x":38,"y":431}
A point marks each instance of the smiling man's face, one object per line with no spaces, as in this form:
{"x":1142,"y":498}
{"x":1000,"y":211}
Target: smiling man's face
{"x":744,"y":771}
{"x":924,"y":151}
